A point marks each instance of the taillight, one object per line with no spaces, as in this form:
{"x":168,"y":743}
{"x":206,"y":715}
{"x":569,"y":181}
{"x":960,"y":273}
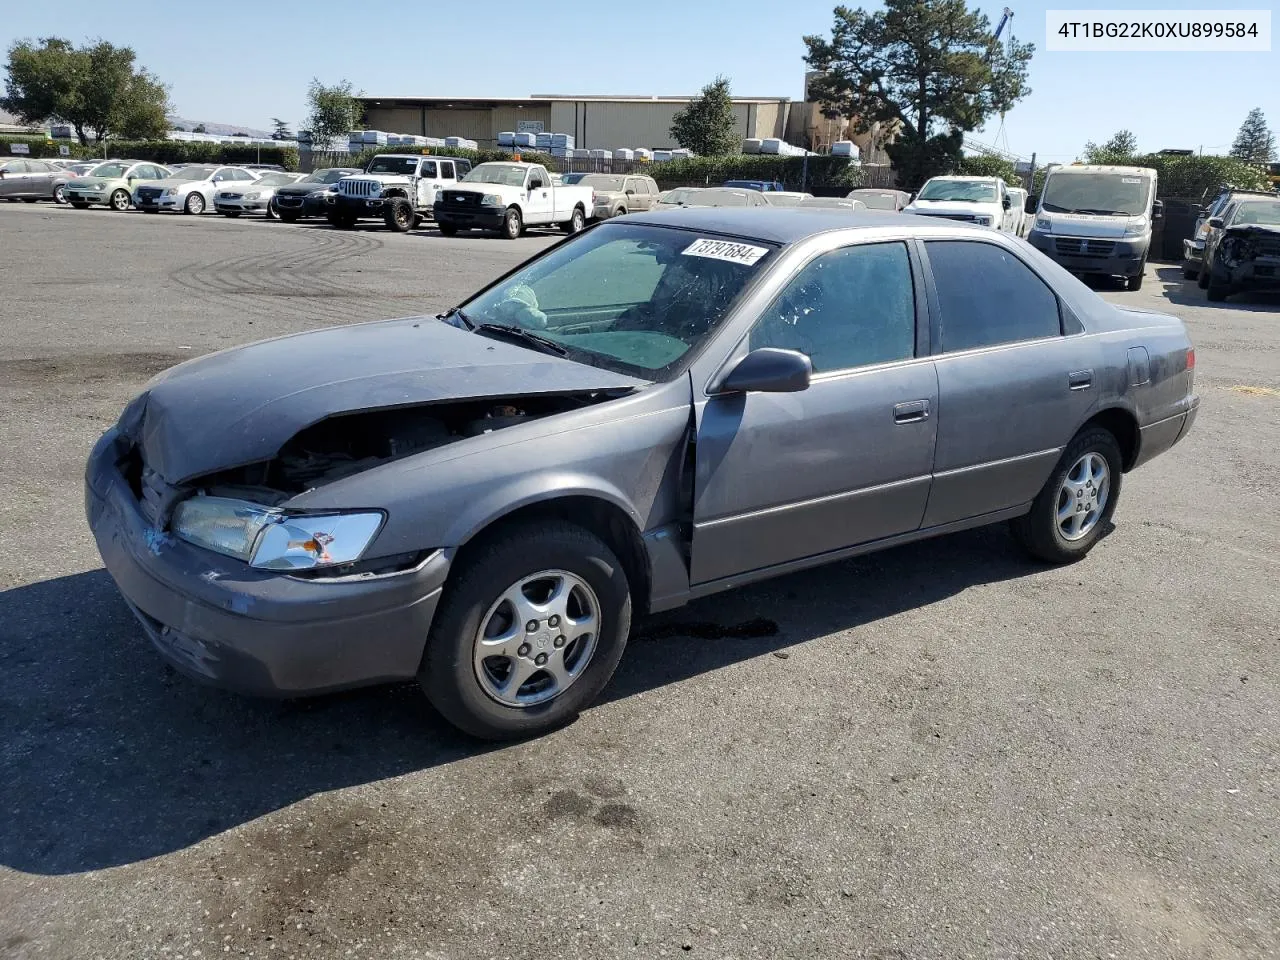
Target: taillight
{"x":1191,"y":358}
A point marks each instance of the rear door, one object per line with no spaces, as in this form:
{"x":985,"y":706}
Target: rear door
{"x":786,"y":476}
{"x":1016,"y":379}
{"x":428,"y":183}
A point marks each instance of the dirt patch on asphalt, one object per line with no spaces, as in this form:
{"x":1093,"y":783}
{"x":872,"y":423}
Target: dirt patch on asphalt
{"x":87,"y":368}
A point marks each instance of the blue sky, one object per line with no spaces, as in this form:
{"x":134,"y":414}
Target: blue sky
{"x":245,"y":70}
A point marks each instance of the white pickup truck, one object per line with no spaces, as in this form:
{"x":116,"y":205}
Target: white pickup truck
{"x":508,"y":197}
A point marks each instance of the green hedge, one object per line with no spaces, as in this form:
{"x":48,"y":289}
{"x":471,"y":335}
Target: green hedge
{"x":824,"y":172}
{"x":989,"y":166}
{"x":1193,"y":178}
{"x":159,"y":151}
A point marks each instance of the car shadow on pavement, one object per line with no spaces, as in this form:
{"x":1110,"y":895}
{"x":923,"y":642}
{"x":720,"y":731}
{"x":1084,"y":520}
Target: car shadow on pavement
{"x":109,"y":757}
{"x":1186,"y":293}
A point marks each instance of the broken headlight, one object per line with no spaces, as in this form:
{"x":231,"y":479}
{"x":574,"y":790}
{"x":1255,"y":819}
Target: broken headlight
{"x":272,"y":539}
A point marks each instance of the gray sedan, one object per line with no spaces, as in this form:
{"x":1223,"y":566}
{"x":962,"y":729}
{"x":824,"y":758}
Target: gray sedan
{"x":662,"y":407}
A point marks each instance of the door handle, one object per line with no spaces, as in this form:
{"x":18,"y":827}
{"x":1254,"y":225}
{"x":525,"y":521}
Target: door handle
{"x":912,"y":411}
{"x":1080,"y":380}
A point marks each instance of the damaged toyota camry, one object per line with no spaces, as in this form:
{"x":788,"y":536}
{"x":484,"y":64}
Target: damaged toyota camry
{"x":661,"y":407}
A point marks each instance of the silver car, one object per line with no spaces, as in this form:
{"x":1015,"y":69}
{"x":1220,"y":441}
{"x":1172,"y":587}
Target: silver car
{"x":663,"y":407}
{"x":32,"y":180}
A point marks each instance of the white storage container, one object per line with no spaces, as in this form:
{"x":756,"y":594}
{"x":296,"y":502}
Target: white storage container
{"x":578,"y":153}
{"x":751,"y":145}
{"x":844,"y":148}
{"x":507,"y":138}
{"x":622,"y":153}
{"x":643,"y":153}
{"x":526,"y":140}
{"x":771,"y":145}
{"x":600,"y":154}
{"x":542,"y":141}
{"x":661,"y":156}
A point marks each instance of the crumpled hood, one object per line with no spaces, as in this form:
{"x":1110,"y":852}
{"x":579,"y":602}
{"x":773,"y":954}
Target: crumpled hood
{"x":1253,"y":230}
{"x":242,"y":405}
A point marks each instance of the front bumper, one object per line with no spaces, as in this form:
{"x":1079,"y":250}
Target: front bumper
{"x":311,"y":205}
{"x":240,"y":206}
{"x":1260,"y":274}
{"x":1192,"y":252}
{"x":160,"y":203}
{"x":358,"y":206}
{"x":86,"y":196}
{"x":222,"y":622}
{"x":467,"y":218}
{"x":1125,"y":258}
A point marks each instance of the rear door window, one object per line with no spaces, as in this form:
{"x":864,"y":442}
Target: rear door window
{"x":987,"y":296}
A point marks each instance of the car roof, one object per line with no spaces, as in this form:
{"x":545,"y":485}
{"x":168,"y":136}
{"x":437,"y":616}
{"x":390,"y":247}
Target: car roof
{"x":783,"y":225}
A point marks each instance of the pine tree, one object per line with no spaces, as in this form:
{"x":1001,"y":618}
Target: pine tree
{"x":1255,"y":142}
{"x":707,"y":126}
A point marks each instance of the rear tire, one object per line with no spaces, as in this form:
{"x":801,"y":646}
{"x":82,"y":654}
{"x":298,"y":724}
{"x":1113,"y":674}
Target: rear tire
{"x":512,"y":224}
{"x":194,"y":205}
{"x":575,"y":223}
{"x":271,"y":210}
{"x":1045,"y":531}
{"x":450,"y":672}
{"x":59,"y":193}
{"x":119,"y":201}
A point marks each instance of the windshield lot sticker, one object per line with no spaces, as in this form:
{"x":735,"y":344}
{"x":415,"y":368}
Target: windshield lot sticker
{"x":742,"y":253}
{"x":1130,"y":179}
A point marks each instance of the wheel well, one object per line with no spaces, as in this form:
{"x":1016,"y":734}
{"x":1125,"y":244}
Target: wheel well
{"x":600,"y":517}
{"x":396,"y":192}
{"x":1124,"y":427}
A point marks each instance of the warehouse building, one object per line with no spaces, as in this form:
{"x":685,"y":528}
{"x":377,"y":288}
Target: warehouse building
{"x":593,"y":121}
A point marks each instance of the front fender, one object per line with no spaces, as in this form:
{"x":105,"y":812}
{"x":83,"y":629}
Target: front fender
{"x":530,"y":489}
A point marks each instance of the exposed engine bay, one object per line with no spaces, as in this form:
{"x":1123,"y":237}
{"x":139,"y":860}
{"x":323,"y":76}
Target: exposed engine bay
{"x":348,"y":444}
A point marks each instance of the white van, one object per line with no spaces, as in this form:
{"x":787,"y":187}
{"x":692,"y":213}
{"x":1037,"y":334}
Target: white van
{"x":983,"y":201}
{"x":1097,"y":219}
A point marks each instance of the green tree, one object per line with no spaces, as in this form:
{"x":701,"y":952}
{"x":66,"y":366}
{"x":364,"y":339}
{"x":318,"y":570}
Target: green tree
{"x":1255,"y":142}
{"x":281,"y":131}
{"x":931,"y":68}
{"x":989,"y":165}
{"x":707,"y":125}
{"x":334,"y":111}
{"x":1119,"y":150}
{"x":98,"y":89}
{"x":199,"y":128}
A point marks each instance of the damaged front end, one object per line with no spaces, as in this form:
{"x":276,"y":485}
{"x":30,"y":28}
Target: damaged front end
{"x":1251,"y":256}
{"x":242,"y":512}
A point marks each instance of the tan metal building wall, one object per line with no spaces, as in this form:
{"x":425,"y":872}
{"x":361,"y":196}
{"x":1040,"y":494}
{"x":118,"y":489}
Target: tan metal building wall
{"x":647,"y":123}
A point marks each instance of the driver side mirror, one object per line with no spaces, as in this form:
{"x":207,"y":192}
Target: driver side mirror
{"x":1157,"y":210}
{"x":1007,"y":202}
{"x":769,"y":370}
{"x":630,"y":193}
{"x":1031,"y":204}
{"x":1216,"y":223}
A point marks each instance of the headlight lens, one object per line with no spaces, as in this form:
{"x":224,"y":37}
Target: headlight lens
{"x":171,"y":192}
{"x":1043,"y":223}
{"x":491,"y":200}
{"x":252,"y":196}
{"x":1137,"y":228}
{"x":983,"y":221}
{"x":272,"y":539}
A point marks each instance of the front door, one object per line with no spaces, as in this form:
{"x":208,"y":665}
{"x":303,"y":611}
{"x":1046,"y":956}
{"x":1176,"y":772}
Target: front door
{"x":784,"y":476}
{"x":538,"y":208}
{"x":428,"y":183}
{"x":1015,"y":379}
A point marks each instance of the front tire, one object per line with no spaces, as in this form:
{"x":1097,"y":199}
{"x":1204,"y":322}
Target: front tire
{"x":398,"y":215}
{"x":232,"y":214}
{"x":575,"y":223}
{"x":59,"y":194}
{"x":1202,"y":279}
{"x":271,"y":210}
{"x":512,"y":224}
{"x":1074,"y":508}
{"x":194,"y":205}
{"x":287,"y":216}
{"x":341,"y":221}
{"x":119,"y":201}
{"x":1216,"y":290}
{"x":1135,"y":282}
{"x":528,"y":632}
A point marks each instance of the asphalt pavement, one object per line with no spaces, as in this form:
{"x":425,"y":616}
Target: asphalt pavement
{"x":940,"y":751}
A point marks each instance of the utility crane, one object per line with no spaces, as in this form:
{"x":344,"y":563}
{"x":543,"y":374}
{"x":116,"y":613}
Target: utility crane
{"x":1004,"y":21}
